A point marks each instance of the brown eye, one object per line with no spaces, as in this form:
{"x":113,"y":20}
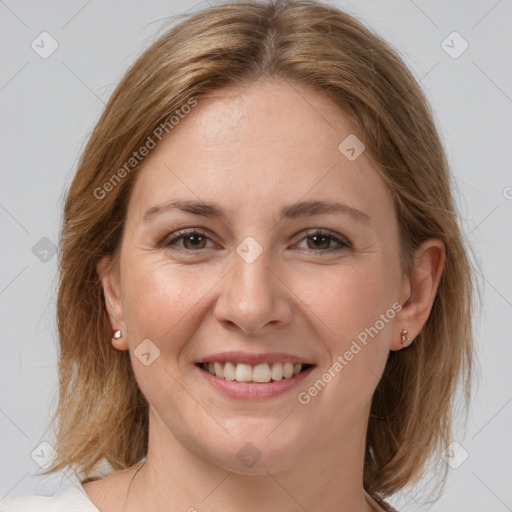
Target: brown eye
{"x":319,"y":241}
{"x":192,"y":240}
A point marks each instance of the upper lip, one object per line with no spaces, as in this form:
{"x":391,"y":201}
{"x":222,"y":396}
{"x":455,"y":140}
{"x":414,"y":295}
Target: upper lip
{"x":252,"y":358}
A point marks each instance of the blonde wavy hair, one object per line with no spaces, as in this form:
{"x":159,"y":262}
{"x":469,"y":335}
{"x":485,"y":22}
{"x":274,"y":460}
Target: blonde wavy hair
{"x":101,"y":412}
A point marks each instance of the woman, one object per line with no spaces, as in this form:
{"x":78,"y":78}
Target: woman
{"x":265,"y":300}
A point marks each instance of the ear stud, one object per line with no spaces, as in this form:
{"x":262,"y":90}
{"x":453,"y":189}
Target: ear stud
{"x":117,"y":335}
{"x":405,"y":339}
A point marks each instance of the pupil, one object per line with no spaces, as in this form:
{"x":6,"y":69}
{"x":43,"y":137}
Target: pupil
{"x":316,"y":238}
{"x":197,"y":237}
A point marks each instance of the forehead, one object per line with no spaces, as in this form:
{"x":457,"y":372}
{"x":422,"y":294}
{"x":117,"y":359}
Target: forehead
{"x":268,"y":143}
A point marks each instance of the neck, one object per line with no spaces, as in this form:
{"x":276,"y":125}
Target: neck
{"x":327,"y":478}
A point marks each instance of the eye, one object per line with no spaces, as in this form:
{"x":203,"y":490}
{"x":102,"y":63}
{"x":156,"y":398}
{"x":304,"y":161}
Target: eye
{"x":195,"y":239}
{"x":321,"y":240}
{"x":192,"y":240}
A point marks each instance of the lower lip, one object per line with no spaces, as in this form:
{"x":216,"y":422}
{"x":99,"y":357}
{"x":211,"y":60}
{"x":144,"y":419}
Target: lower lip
{"x":255,"y":390}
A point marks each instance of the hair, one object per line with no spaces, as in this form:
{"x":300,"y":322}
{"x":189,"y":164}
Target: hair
{"x":101,"y":412}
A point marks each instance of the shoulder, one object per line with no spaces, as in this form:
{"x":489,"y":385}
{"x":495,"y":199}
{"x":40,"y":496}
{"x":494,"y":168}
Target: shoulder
{"x":70,"y":497}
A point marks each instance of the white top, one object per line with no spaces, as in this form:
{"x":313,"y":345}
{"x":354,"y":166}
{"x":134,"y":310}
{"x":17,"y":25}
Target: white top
{"x":71,"y":497}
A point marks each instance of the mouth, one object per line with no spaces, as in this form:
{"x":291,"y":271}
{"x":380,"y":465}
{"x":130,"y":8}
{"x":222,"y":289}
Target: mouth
{"x":261,"y":373}
{"x":254,"y":376}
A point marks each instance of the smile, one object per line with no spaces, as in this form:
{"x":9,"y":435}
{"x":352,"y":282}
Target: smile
{"x":260,"y":373}
{"x":259,"y":381}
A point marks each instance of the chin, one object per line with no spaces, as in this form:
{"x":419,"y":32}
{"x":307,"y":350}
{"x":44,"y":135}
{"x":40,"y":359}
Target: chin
{"x":255,"y":449}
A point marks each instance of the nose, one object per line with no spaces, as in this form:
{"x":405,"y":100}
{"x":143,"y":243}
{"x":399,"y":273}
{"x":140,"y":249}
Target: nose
{"x":254,"y":296}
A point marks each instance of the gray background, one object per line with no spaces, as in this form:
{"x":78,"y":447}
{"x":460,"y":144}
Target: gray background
{"x":49,"y":108}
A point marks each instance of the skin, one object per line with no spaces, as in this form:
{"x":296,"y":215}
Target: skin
{"x":252,"y":151}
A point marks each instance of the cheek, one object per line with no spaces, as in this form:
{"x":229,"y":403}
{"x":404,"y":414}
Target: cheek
{"x":161,"y":303}
{"x":353,"y":315}
{"x":161,"y":300}
{"x":349,"y":299}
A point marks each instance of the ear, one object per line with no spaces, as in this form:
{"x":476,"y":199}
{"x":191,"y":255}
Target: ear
{"x":419,"y":291}
{"x":109,"y":275}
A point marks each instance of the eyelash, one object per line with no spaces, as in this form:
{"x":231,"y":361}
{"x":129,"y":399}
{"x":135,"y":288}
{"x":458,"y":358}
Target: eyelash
{"x":343,"y":243}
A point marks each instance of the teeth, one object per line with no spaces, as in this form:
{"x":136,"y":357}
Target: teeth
{"x":264,"y":372}
{"x":277,"y":371}
{"x":243,"y":372}
{"x":287,"y":370}
{"x":219,"y":369}
{"x":229,"y":371}
{"x":261,"y":373}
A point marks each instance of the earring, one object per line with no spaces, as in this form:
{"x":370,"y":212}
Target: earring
{"x":405,"y":339}
{"x":117,"y":335}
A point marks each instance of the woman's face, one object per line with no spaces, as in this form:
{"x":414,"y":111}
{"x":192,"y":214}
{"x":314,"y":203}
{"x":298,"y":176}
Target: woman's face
{"x":245,"y":273}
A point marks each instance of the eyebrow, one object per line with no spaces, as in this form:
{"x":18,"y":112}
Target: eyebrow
{"x":293,"y":211}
